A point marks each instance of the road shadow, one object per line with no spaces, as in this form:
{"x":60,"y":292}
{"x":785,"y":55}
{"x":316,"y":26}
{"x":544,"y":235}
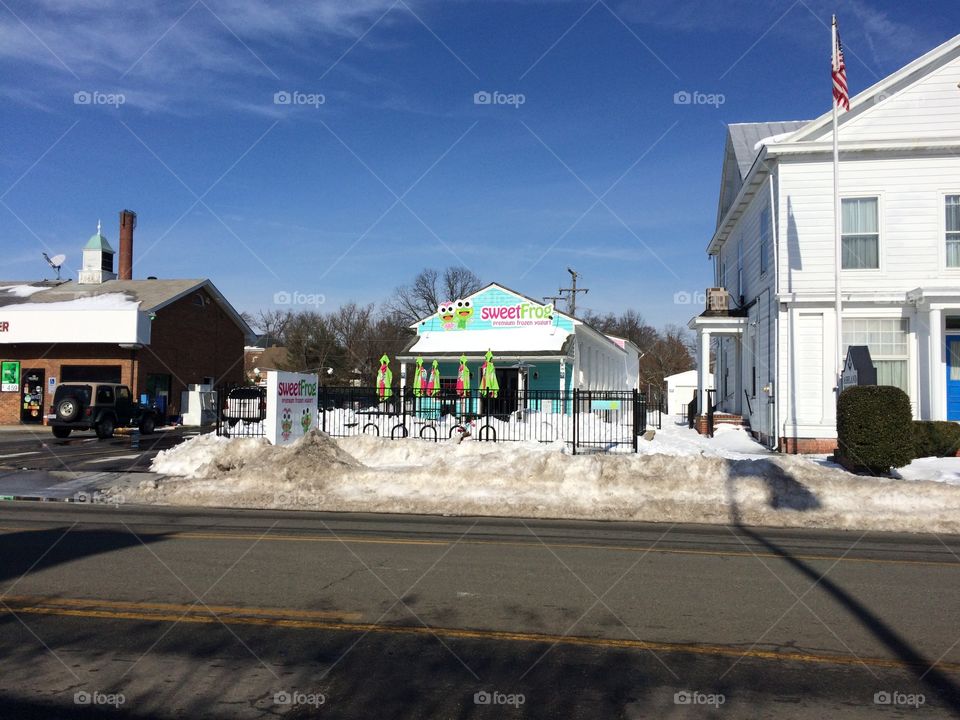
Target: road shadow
{"x":789,"y":493}
{"x":37,"y":550}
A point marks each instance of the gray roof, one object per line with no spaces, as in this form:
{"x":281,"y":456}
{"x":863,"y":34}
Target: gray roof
{"x":739,"y":155}
{"x":151,"y":294}
{"x":745,"y":136}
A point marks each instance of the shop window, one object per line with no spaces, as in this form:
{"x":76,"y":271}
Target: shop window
{"x":90,"y":373}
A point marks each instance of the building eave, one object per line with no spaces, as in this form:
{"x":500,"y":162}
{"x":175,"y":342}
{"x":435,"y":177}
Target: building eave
{"x":758,"y":173}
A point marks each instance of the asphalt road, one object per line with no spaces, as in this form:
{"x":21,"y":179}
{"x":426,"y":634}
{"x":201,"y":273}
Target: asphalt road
{"x":230,"y":614}
{"x":36,"y":448}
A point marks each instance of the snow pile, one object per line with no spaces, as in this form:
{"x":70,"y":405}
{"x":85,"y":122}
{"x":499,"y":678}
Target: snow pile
{"x":945,"y":470}
{"x":726,"y":479}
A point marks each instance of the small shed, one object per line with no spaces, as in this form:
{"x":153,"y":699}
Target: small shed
{"x":680,"y":391}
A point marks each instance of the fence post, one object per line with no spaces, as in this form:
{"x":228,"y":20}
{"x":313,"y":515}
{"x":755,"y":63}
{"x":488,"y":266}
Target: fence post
{"x":323,"y":408}
{"x":636,"y":418}
{"x":574,"y":414}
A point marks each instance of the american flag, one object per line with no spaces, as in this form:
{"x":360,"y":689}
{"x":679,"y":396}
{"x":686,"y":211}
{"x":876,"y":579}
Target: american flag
{"x":841,"y":96}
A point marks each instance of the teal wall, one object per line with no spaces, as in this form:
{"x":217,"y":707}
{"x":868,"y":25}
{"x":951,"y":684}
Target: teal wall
{"x":491,"y":297}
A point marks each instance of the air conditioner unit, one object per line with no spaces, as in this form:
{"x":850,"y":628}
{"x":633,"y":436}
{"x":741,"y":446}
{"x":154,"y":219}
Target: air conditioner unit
{"x":717,"y":299}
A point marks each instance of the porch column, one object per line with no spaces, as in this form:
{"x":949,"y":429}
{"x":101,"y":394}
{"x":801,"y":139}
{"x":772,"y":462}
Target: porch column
{"x":937,"y":389}
{"x":403,"y":375}
{"x":703,"y":370}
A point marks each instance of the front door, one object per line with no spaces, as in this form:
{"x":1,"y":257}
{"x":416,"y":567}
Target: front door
{"x":32,"y":384}
{"x":953,"y":378}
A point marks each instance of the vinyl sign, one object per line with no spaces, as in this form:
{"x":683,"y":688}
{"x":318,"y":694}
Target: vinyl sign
{"x":292,"y":405}
{"x":523,"y":314}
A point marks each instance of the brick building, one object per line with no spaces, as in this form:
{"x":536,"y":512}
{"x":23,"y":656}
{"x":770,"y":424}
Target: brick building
{"x":157,"y":336}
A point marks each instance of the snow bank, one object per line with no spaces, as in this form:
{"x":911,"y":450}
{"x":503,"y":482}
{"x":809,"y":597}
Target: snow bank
{"x":690,"y":479}
{"x":945,"y":470}
{"x":106,"y":301}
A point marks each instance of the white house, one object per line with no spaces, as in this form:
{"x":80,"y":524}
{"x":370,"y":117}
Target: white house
{"x":773,"y":252}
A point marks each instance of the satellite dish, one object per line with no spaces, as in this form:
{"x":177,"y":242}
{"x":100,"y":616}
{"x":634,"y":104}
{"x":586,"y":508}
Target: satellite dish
{"x":56,"y":262}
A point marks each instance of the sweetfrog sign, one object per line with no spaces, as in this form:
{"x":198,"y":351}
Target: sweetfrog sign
{"x":491,"y":308}
{"x":292,"y":404}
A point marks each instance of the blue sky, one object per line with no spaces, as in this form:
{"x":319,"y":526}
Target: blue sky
{"x":398,"y":168}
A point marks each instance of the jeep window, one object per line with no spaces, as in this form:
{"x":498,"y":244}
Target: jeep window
{"x":81,"y":392}
{"x":123,"y":394}
{"x":105,"y":395}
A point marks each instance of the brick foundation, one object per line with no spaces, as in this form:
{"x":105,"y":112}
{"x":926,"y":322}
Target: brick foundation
{"x":807,"y":446}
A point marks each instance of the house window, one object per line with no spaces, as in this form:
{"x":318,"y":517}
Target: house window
{"x":889,"y":348}
{"x":764,"y":240}
{"x":860,"y":235}
{"x":953,"y":231}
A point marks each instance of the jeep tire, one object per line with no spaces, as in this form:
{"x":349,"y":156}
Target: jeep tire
{"x":68,"y":409}
{"x":105,"y":427}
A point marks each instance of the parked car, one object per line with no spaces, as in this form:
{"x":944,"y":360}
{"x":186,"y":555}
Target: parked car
{"x":245,"y":402}
{"x":97,"y":406}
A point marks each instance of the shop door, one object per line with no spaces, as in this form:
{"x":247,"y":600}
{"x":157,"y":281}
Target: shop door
{"x":32,"y":384}
{"x":953,"y":378}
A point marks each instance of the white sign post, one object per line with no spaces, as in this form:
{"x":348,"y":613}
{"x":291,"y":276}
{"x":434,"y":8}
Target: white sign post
{"x":292,"y":405}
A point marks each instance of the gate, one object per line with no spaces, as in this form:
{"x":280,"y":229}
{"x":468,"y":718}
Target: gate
{"x":607,"y":420}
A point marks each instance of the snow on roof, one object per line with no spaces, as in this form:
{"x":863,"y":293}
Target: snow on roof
{"x":772,"y":140}
{"x":22,"y":290}
{"x":507,"y":341}
{"x":107,"y":301}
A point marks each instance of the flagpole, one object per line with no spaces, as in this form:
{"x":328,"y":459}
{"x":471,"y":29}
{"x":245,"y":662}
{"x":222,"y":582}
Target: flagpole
{"x":837,"y":223}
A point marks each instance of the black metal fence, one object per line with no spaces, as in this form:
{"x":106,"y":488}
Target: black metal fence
{"x":241,"y":410}
{"x":587,"y":420}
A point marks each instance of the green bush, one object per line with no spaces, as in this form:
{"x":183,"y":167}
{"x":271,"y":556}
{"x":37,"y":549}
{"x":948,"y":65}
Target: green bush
{"x":935,"y":438}
{"x":875,"y":428}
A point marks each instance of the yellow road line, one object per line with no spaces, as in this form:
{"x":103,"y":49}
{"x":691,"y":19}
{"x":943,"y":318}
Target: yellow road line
{"x":348,"y":539}
{"x":245,"y":616}
{"x":31,"y":600}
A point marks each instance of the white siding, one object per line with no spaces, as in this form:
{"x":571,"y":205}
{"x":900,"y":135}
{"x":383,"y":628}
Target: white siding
{"x":809,"y":369}
{"x":927,"y":109}
{"x":911,"y":211}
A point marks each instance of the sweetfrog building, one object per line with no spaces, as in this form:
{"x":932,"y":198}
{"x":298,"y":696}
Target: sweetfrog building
{"x":156,"y":335}
{"x":535,"y":346}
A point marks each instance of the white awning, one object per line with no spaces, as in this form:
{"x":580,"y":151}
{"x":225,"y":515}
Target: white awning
{"x":501,"y":341}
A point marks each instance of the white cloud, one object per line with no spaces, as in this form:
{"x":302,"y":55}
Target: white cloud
{"x":178,"y":56}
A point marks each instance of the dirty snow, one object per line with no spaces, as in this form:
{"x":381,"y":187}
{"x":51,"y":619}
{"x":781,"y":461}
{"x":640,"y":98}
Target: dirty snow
{"x":678,"y":477}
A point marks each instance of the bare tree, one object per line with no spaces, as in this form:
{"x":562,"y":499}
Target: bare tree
{"x":431,"y":287}
{"x":311,"y":343}
{"x":270,"y":324}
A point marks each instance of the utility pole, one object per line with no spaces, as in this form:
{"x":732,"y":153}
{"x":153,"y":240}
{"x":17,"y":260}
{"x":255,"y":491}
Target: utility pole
{"x":572,"y":291}
{"x":553,"y":299}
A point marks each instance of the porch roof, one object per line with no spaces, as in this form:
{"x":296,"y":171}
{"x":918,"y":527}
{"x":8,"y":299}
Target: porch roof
{"x":719,"y":324}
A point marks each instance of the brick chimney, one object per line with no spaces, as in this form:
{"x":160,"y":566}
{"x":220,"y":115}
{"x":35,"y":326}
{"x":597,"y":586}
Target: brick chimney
{"x":128,"y":221}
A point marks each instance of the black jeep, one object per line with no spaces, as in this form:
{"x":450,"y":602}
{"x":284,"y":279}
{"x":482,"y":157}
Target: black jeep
{"x":97,"y":406}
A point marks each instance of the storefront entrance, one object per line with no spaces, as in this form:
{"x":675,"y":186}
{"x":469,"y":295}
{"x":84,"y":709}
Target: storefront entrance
{"x":32,"y":384}
{"x":953,"y":378}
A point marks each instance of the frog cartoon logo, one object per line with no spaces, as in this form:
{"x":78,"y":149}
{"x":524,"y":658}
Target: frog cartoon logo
{"x":306,"y":420}
{"x":447,"y":318}
{"x":286,"y":423}
{"x":464,"y":313}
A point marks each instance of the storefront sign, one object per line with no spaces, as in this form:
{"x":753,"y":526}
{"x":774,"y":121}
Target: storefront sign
{"x":523,"y":314}
{"x":292,"y":405}
{"x":10,"y":376}
{"x":4,"y":326}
